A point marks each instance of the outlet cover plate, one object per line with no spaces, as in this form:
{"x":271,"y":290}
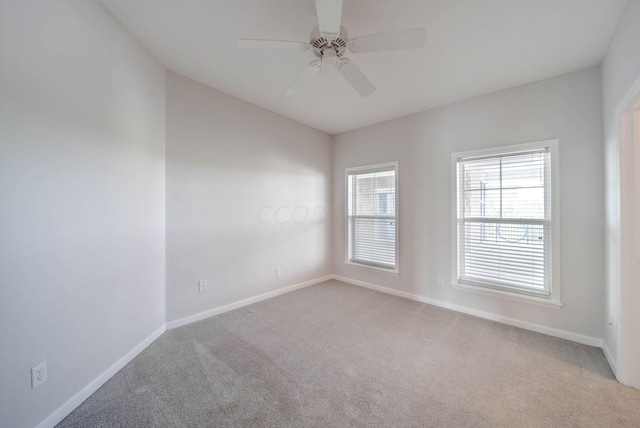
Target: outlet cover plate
{"x":38,"y":375}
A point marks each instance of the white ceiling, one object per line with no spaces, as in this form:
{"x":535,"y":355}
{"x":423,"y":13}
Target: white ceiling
{"x":473,"y":47}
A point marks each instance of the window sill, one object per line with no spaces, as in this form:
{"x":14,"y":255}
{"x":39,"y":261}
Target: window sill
{"x":540,"y":301}
{"x":395,"y":272}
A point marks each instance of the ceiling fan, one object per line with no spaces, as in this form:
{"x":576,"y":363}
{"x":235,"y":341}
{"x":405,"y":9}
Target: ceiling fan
{"x":329,"y":41}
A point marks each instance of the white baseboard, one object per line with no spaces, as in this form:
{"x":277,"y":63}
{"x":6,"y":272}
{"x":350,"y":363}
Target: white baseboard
{"x":562,"y":334}
{"x":240,"y":303}
{"x":610,"y":359}
{"x":63,"y":411}
{"x":70,"y":405}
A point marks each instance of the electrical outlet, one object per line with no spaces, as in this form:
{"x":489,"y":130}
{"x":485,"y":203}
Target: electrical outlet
{"x":440,"y":280}
{"x":202,"y":285}
{"x":38,"y":374}
{"x":279,"y":271}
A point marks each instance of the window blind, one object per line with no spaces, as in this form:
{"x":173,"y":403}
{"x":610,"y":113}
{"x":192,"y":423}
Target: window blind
{"x":504,"y":212}
{"x":371,"y":216}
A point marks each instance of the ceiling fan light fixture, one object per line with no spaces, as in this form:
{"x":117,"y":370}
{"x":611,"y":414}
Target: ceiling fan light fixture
{"x":329,"y":40}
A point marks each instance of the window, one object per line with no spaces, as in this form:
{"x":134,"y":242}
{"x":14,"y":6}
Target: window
{"x":371,"y":216}
{"x":506,"y":215}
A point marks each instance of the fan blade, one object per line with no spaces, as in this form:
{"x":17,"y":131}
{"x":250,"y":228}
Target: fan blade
{"x":307,"y":73}
{"x":271,"y":44}
{"x":354,"y":76}
{"x":413,"y":38}
{"x":329,"y":15}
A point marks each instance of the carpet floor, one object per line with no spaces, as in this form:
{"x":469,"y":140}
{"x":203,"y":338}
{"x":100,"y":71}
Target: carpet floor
{"x":333,"y":355}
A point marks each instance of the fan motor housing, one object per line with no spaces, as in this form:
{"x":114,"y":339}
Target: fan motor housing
{"x":321,"y":42}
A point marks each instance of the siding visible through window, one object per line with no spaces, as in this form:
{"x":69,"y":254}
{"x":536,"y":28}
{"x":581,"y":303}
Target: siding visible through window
{"x":504,"y":221}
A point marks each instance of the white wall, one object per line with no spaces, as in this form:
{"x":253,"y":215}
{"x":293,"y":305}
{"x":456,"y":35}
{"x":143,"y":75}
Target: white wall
{"x":247,"y":192}
{"x":566,"y":107}
{"x":82,"y":181}
{"x":620,"y":70}
{"x":82,"y":124}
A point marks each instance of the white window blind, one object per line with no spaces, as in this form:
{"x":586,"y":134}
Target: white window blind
{"x":504,"y":221}
{"x":371,"y":216}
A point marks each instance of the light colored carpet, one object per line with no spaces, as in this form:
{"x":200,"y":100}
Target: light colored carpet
{"x":334,"y":355}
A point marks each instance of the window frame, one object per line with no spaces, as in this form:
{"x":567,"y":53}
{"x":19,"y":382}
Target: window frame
{"x":363,"y":170}
{"x":486,"y":288}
